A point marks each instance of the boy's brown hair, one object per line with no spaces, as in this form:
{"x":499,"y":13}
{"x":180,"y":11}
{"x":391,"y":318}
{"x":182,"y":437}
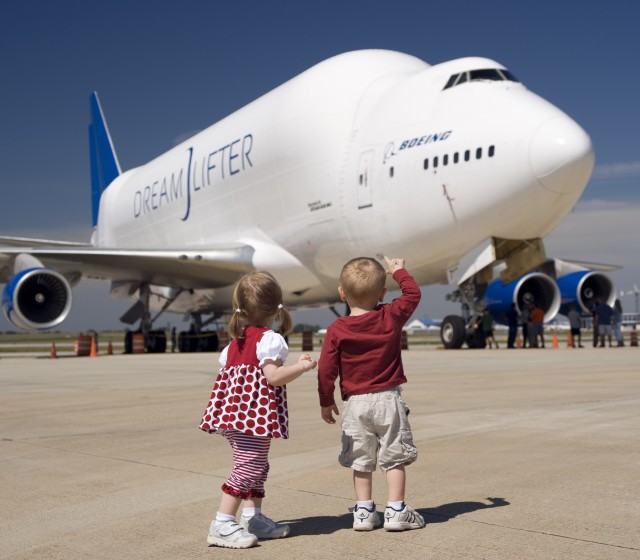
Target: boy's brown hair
{"x":362,"y":279}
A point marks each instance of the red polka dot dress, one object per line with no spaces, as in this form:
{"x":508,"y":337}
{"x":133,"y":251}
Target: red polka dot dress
{"x":242,"y":399}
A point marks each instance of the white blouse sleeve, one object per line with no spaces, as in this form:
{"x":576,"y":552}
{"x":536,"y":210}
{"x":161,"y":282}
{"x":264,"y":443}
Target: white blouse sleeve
{"x":272,"y":346}
{"x":223,"y":356}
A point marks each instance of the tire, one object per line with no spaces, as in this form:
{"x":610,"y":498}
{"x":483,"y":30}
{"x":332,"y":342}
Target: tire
{"x":186,"y":341}
{"x":476,"y":339}
{"x":128,"y":342}
{"x":208,"y":342}
{"x":453,"y":332}
{"x":156,"y":342}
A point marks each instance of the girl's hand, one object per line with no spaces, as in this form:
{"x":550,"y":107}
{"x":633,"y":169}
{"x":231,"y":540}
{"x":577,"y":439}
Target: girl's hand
{"x":278,"y":374}
{"x":307,"y":361}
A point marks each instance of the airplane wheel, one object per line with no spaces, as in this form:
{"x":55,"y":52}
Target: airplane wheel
{"x":208,"y":342}
{"x":452,"y":331}
{"x":476,"y":339}
{"x":128,"y":342}
{"x":156,"y":342}
{"x":186,"y":342}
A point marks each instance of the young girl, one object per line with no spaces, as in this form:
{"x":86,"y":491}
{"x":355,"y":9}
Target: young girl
{"x":248,"y":407}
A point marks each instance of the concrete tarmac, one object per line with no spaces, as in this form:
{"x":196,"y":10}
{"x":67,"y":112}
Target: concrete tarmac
{"x":524,"y":454}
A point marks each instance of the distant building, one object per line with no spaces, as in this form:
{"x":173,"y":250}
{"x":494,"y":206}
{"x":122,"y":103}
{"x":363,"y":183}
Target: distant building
{"x":427,"y":325}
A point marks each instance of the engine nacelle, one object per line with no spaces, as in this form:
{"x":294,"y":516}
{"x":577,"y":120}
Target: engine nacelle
{"x":583,"y":289}
{"x":37,"y":298}
{"x":534,"y":287}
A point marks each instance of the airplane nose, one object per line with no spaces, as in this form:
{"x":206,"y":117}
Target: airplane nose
{"x":562,"y":156}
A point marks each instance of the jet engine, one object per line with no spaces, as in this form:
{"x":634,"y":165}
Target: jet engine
{"x":534,"y":287}
{"x":37,"y":298}
{"x":583,"y":288}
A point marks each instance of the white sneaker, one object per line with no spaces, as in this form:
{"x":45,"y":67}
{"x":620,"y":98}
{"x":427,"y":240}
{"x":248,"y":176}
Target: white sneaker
{"x":407,"y":518}
{"x":365,"y":519}
{"x":263,"y":527}
{"x":230,"y":534}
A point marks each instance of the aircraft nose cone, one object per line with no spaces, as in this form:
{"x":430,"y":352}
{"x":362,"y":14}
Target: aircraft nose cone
{"x":562,"y":156}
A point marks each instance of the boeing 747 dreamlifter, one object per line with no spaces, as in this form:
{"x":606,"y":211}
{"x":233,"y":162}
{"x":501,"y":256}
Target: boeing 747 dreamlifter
{"x":369,"y":152}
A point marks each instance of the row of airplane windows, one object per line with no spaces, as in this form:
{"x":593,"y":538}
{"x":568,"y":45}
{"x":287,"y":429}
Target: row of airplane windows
{"x":436,"y":161}
{"x":456,"y":157}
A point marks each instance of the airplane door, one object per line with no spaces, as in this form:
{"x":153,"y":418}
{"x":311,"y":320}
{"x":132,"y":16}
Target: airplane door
{"x":365,"y":180}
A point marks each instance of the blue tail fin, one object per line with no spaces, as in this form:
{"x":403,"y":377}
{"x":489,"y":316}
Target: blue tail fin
{"x":104,"y":161}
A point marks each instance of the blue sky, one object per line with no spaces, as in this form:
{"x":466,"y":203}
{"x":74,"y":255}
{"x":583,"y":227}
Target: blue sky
{"x":166,"y":69}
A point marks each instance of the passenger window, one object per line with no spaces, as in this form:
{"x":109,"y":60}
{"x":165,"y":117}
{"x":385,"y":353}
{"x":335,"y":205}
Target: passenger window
{"x":492,"y":150}
{"x":455,"y":157}
{"x":391,"y":171}
{"x":478,"y":153}
{"x":445,"y":159}
{"x":426,"y":163}
{"x":467,"y":155}
{"x":435,"y":161}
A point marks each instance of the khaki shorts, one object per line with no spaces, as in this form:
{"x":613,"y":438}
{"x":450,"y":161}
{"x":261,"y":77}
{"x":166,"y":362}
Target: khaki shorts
{"x":375,"y":430}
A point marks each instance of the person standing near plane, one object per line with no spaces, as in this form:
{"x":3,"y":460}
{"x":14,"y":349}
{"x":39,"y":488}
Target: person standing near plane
{"x":594,"y":317}
{"x":174,"y":339}
{"x":524,"y":319}
{"x":512,"y":316}
{"x":487,"y":328}
{"x":604,"y":314}
{"x":248,"y":406}
{"x":363,"y":351}
{"x":575,"y":324}
{"x":537,"y":326}
{"x":617,"y":322}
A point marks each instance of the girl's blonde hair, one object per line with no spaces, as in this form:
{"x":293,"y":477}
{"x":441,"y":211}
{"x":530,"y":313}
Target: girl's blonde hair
{"x":257,"y":297}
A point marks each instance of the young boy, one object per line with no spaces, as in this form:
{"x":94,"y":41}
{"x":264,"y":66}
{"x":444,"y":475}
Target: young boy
{"x":363,"y":350}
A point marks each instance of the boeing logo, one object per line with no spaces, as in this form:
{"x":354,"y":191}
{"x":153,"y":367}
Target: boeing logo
{"x":427,"y":139}
{"x":390,"y":149}
{"x":201,"y":172}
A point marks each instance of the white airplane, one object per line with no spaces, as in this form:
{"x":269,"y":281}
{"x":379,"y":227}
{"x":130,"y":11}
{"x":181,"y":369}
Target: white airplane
{"x":370,"y":152}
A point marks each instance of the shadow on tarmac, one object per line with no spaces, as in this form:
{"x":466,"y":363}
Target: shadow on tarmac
{"x":445,"y":512}
{"x":327,"y":524}
{"x":321,"y":525}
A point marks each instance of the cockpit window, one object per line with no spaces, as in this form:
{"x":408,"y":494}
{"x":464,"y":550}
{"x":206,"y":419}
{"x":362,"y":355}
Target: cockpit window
{"x":508,"y":75}
{"x":452,"y":81}
{"x":490,"y":74}
{"x":485,"y":75}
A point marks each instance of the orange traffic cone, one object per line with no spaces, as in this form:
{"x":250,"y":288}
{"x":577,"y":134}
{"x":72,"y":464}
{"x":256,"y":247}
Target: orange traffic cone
{"x":94,"y":351}
{"x":570,"y":340}
{"x":555,"y":340}
{"x":110,"y":349}
{"x":54,"y":353}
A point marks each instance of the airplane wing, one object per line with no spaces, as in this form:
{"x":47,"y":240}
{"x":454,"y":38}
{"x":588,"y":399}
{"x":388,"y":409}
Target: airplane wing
{"x":600,"y":267}
{"x":30,"y":242}
{"x":213,"y":267}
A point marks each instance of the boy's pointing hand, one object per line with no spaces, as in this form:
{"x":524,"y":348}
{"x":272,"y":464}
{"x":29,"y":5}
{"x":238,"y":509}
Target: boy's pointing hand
{"x":393,"y":264}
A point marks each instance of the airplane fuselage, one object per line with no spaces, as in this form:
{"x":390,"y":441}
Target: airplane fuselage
{"x":366,"y":153}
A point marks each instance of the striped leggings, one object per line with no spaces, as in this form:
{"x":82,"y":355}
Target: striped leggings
{"x":250,"y":465}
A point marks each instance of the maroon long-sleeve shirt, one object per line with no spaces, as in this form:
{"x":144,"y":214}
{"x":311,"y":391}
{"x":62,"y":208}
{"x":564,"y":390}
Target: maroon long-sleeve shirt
{"x":364,"y":350}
